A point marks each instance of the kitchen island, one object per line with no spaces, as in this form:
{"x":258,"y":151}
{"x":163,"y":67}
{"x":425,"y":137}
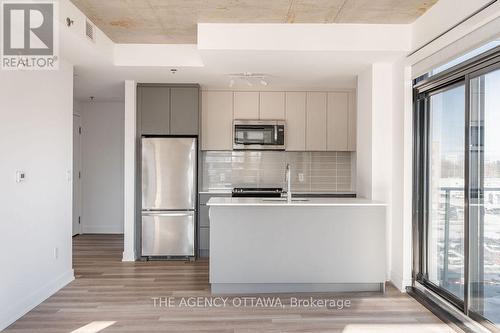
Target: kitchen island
{"x":270,"y":245}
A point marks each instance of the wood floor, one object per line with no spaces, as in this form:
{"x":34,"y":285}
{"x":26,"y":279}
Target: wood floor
{"x":114,"y":296}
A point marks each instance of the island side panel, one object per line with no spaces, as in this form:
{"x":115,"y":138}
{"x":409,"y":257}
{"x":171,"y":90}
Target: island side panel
{"x":277,"y":245}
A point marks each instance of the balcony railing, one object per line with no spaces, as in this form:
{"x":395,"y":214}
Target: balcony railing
{"x":451,"y":208}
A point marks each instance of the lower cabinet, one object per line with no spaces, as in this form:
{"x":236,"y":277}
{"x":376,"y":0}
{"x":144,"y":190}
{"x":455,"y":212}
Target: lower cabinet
{"x":204,"y":241}
{"x":204,"y":223}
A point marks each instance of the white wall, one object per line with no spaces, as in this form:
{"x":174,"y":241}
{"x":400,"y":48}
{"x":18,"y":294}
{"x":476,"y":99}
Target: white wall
{"x":304,"y":37}
{"x":129,"y":171}
{"x":364,"y":135}
{"x":401,"y":224}
{"x":374,"y":140}
{"x":36,"y":137}
{"x":102,"y":167}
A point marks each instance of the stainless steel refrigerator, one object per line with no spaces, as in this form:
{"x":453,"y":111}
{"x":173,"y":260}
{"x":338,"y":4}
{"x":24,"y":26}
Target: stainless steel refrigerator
{"x":168,"y":196}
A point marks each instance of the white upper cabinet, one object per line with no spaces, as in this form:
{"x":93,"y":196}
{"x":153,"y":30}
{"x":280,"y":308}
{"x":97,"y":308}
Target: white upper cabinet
{"x":351,"y":143}
{"x":272,"y":105}
{"x":295,"y":121}
{"x":337,"y":119}
{"x":246,"y":105}
{"x":316,"y":121}
{"x":217,"y":120}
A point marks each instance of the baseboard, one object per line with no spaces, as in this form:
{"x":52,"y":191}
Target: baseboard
{"x":29,"y":302}
{"x":289,"y":288}
{"x":102,"y":229}
{"x":128,"y":256}
{"x":398,"y":282}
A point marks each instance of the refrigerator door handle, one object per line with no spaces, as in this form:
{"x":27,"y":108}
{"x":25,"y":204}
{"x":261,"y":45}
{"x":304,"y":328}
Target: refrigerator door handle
{"x":176,"y":214}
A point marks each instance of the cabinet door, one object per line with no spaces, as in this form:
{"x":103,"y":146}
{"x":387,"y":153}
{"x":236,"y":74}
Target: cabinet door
{"x":295,"y":114}
{"x":272,"y":105}
{"x":204,"y":217}
{"x":184,"y":112}
{"x":316,"y":121}
{"x":204,"y":239}
{"x":337,"y":121}
{"x":217,"y":120}
{"x":351,"y":144}
{"x":246,"y":105}
{"x":154,"y":104}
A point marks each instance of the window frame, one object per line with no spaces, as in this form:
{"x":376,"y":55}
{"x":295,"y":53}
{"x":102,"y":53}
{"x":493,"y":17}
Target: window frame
{"x":423,"y":89}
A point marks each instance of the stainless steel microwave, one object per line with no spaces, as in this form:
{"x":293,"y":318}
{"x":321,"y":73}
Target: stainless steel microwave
{"x":259,"y":135}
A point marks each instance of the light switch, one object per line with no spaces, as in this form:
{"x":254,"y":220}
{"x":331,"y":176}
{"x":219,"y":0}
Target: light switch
{"x":20,"y":176}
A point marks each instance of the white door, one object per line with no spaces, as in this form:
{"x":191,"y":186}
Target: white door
{"x":77,"y":169}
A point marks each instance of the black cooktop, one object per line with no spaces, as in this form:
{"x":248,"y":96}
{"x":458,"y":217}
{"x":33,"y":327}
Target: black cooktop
{"x":257,"y":192}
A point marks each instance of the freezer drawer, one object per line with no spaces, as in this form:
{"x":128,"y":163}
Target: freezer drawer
{"x":168,"y":233}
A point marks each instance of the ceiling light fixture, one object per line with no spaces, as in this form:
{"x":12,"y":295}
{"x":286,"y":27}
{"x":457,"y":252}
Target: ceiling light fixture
{"x":248,"y":78}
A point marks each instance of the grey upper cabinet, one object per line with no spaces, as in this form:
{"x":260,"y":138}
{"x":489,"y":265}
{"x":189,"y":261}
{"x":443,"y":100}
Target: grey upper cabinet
{"x":168,"y":109}
{"x":184,"y":111}
{"x":154,"y":104}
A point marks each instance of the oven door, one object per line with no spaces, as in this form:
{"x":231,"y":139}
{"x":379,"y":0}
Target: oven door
{"x":258,"y":135}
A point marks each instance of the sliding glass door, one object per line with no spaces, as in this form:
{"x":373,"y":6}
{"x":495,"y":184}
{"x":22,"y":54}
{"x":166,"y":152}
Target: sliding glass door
{"x":485,"y":195}
{"x":446,"y":190}
{"x":457,"y":186}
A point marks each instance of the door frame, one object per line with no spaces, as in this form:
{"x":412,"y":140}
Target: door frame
{"x":77,"y":173}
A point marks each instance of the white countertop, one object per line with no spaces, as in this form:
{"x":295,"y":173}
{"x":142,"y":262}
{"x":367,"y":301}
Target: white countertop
{"x":295,"y":193}
{"x":298,"y":202}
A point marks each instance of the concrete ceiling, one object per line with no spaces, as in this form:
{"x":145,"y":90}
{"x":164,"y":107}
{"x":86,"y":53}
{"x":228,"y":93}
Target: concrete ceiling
{"x":174,"y":21}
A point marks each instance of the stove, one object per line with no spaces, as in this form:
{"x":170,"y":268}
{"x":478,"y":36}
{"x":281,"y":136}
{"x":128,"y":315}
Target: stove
{"x":257,"y":192}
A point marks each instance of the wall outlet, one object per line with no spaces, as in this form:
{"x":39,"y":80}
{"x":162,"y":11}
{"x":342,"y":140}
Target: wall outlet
{"x":301,"y":177}
{"x":56,"y":253}
{"x":222,"y":177}
{"x":20,"y":176}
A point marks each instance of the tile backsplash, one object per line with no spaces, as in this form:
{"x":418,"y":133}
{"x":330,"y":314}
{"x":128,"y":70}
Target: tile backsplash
{"x":311,"y":171}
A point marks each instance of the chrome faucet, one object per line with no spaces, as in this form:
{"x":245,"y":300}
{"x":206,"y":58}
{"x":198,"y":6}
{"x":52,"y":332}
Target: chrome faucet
{"x":289,"y":183}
